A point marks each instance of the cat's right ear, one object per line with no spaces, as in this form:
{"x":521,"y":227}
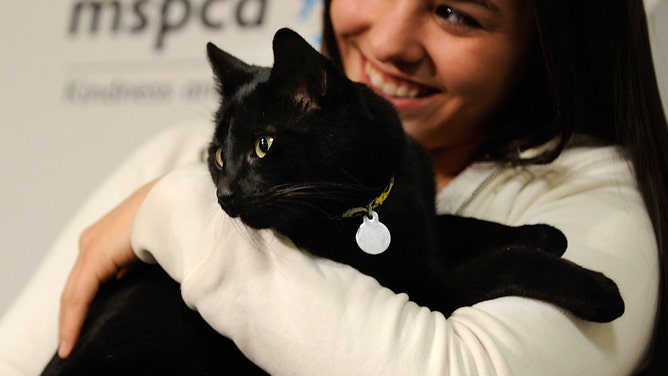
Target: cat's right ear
{"x":230,"y":72}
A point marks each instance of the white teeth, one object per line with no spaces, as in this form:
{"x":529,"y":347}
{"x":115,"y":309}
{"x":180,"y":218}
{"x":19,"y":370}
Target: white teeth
{"x":402,"y":91}
{"x":389,"y":88}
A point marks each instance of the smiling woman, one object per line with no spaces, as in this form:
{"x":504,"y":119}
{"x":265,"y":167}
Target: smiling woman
{"x":490,"y":79}
{"x":533,"y":111}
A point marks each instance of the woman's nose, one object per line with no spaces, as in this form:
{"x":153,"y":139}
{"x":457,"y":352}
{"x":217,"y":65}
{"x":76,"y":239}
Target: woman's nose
{"x":394,"y":35}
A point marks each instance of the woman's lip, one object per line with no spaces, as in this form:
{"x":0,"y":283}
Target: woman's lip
{"x":388,"y":86}
{"x":403,"y":94}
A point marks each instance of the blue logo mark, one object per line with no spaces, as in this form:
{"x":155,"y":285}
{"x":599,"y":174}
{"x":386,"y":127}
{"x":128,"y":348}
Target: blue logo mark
{"x":307,"y":8}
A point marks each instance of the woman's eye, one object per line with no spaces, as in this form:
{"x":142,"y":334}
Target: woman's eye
{"x":455,"y":17}
{"x":219,"y":158}
{"x":262,"y":145}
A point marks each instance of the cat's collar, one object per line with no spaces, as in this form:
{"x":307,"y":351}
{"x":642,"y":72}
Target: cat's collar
{"x":367,"y":210}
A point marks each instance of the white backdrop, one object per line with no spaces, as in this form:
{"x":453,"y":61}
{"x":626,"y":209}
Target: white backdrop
{"x":83,"y":82}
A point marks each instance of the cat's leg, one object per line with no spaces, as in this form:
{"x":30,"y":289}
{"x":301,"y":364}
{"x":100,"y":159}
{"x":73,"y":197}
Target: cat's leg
{"x":463,"y":238}
{"x":538,"y":275}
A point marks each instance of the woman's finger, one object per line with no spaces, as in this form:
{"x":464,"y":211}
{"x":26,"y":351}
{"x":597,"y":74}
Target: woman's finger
{"x":73,"y":308}
{"x":81,"y":287}
{"x":105,"y":253}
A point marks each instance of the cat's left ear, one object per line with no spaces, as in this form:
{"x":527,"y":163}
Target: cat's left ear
{"x":299,"y":69}
{"x":231,"y":73}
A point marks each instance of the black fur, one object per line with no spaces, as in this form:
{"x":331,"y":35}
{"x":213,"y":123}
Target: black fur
{"x":336,"y":145}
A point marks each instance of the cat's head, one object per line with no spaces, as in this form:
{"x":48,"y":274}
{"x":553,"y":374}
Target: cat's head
{"x":299,"y":141}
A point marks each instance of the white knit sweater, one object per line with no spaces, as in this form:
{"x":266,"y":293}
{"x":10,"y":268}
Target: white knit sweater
{"x":294,"y":314}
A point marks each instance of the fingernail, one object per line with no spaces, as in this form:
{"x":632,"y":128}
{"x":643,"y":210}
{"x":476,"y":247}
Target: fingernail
{"x":64,"y":349}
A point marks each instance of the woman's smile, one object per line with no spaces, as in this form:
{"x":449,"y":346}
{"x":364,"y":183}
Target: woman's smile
{"x":404,"y":94}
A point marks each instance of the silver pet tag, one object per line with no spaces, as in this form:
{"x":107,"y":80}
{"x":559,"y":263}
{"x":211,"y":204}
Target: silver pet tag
{"x":372,"y":236}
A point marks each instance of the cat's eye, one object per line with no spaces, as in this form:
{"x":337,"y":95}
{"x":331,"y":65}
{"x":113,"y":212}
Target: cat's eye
{"x":262,"y":145}
{"x":219,"y":158}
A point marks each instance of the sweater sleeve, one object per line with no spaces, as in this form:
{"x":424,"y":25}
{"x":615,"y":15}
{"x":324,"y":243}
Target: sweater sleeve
{"x":292,"y":313}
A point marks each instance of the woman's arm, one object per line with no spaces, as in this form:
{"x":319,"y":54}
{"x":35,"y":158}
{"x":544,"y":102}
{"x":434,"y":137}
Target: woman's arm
{"x":288,"y":311}
{"x":292,"y":313}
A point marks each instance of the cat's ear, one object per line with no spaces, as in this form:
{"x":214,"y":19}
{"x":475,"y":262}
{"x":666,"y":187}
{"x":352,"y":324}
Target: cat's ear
{"x":231,"y":73}
{"x":299,"y":69}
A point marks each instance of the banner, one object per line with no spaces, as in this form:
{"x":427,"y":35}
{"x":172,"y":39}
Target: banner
{"x":84,"y":82}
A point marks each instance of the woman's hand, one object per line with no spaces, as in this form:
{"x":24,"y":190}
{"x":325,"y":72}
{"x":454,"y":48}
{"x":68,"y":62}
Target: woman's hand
{"x":104,"y":253}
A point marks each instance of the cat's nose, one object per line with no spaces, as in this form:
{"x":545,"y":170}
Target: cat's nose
{"x":226,"y":200}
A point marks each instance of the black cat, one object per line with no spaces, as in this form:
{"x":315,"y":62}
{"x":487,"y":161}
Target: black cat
{"x":302,"y":149}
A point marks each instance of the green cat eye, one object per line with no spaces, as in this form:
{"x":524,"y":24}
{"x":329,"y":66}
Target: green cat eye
{"x":219,"y":158}
{"x":262,"y":145}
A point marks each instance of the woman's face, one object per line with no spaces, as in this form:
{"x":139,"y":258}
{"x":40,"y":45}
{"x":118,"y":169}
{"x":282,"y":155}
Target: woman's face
{"x":447,"y":65}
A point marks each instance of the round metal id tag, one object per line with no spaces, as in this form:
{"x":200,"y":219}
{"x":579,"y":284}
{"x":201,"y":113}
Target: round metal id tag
{"x":372,"y":236}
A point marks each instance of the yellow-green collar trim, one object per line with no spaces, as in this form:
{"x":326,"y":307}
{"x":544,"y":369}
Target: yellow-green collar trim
{"x":372,"y":205}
